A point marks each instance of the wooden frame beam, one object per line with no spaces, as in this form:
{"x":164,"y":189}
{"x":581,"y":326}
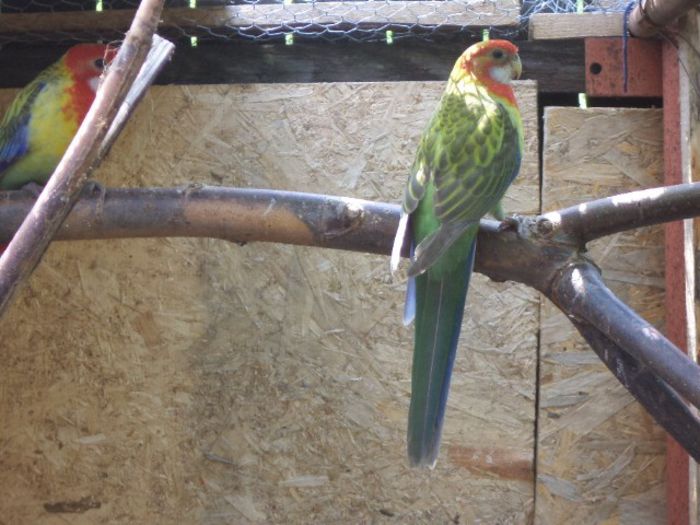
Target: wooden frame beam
{"x":557,"y":65}
{"x":454,"y":13}
{"x":547,"y":26}
{"x":681,"y":470}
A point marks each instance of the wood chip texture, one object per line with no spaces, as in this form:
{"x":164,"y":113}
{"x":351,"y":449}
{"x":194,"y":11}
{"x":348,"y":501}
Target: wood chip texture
{"x":600,"y":456}
{"x":196,"y":381}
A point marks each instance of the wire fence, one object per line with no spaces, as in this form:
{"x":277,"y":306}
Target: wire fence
{"x":32,"y":21}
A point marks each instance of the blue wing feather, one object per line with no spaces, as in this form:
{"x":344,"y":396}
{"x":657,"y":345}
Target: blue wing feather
{"x":14,"y":128}
{"x":14,"y":144}
{"x":409,"y":307}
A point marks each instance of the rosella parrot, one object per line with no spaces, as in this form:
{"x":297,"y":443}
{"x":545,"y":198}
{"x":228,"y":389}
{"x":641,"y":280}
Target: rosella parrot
{"x":468,"y":155}
{"x":45,"y":115}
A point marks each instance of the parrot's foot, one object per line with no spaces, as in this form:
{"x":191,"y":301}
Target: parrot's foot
{"x":190,"y":188}
{"x":509,"y":224}
{"x":33,"y":188}
{"x":93,"y":187}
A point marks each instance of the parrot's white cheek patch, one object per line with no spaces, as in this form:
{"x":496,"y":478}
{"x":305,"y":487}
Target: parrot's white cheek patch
{"x":501,"y":74}
{"x":94,"y":82}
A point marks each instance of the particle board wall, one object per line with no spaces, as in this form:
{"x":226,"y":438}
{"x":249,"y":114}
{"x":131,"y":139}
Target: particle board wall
{"x":195,"y":381}
{"x":600,"y":455}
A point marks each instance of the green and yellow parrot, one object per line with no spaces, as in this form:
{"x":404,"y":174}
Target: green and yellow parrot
{"x":468,"y":155}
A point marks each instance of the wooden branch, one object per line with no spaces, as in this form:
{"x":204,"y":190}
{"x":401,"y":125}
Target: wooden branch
{"x":63,"y":188}
{"x":580,"y":291}
{"x":544,"y":26}
{"x":244,"y":215}
{"x":232,"y":214}
{"x":202,"y":20}
{"x":669,"y":410}
{"x":159,"y":54}
{"x":595,"y":219}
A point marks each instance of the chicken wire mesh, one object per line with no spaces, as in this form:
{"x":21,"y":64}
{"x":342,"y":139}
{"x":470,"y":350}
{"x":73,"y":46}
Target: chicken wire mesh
{"x":264,"y":20}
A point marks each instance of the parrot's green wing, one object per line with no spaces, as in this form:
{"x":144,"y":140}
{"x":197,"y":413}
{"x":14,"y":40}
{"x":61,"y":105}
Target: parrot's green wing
{"x":470,"y":153}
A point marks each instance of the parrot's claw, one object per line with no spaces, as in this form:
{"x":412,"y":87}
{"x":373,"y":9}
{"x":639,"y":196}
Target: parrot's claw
{"x":511,"y":223}
{"x":192,"y":187}
{"x":94,"y":187}
{"x":33,"y":188}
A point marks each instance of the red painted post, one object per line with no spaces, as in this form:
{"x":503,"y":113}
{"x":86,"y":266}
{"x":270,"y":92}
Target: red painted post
{"x":604,"y":68}
{"x":677,"y":460}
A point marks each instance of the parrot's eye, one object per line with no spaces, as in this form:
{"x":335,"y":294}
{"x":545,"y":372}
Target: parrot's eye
{"x":99,"y":63}
{"x":497,"y":54}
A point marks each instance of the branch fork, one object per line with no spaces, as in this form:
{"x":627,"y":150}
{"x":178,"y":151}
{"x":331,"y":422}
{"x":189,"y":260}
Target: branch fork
{"x":544,"y":252}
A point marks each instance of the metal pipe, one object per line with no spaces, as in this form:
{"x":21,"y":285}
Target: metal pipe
{"x":650,"y":16}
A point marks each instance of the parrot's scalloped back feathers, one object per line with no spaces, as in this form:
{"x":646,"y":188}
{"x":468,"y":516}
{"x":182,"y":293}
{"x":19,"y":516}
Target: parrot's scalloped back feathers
{"x":44,"y":116}
{"x":468,"y":155}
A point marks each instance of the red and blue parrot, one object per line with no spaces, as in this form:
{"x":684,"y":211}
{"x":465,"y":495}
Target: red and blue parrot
{"x":45,"y":116}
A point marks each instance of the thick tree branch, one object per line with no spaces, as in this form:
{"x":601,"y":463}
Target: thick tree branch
{"x":594,"y":219}
{"x":580,"y":292}
{"x":159,"y":54}
{"x":647,"y":364}
{"x":667,"y":407}
{"x":232,"y":214}
{"x":63,"y":188}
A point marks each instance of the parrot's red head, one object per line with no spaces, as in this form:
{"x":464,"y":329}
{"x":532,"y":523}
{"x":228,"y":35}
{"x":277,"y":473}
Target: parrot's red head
{"x":85,"y":63}
{"x":493,"y":63}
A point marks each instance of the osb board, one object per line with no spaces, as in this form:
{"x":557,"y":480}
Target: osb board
{"x":600,"y":456}
{"x":194,"y":381}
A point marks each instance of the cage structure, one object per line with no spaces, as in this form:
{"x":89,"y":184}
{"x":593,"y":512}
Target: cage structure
{"x":365,"y":20}
{"x":195,"y":381}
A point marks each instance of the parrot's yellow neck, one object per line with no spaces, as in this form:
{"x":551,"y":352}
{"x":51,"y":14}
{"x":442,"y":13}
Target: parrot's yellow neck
{"x":465,"y":82}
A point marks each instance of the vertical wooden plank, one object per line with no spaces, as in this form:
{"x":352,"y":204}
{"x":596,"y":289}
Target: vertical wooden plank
{"x":690,"y":28}
{"x":600,"y":455}
{"x":680,"y":323}
{"x":677,"y":461}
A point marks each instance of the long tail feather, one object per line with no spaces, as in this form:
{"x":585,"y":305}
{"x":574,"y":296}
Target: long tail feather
{"x":441,"y":296}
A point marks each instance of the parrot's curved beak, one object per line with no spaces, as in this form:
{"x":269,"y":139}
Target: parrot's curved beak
{"x":516,"y":67}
